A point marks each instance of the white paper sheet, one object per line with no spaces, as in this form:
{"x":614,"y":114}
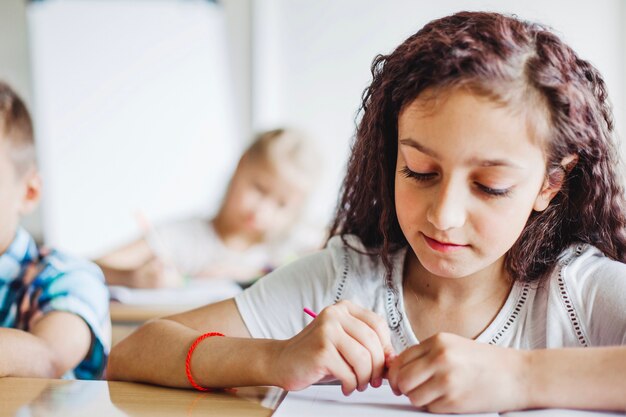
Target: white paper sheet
{"x":328,"y":400}
{"x":196,"y":293}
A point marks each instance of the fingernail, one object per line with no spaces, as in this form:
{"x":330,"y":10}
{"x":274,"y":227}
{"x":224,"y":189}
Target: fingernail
{"x":377,"y":382}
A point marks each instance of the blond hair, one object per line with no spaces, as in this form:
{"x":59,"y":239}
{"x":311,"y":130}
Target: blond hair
{"x":288,"y":151}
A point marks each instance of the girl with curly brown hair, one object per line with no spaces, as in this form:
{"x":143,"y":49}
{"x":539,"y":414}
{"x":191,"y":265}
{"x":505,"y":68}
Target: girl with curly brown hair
{"x":479,"y":240}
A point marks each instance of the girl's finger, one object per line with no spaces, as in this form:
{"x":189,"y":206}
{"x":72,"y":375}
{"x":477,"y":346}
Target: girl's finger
{"x":413,"y":353}
{"x":380,"y":327}
{"x":367,"y":337}
{"x":414,"y":374}
{"x":414,"y":359}
{"x":339,"y":368}
{"x":357,"y":357}
{"x":376,"y":323}
{"x":426,"y":393}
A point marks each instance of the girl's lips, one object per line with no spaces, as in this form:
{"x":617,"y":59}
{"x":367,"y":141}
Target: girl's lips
{"x":442,"y":247}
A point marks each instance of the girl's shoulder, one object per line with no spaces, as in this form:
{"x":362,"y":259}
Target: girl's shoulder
{"x":582,"y":264}
{"x":588,"y":287}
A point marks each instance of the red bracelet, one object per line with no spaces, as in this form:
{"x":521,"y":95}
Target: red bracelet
{"x":188,"y":360}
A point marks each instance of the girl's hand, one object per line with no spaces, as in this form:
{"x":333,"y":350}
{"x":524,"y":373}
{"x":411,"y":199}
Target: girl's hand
{"x":450,"y":374}
{"x":345,"y":341}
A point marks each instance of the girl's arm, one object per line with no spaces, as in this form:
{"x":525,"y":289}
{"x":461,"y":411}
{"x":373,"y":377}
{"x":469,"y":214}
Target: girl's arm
{"x":587,"y":378}
{"x":450,"y":374}
{"x":345,"y":341}
{"x":156,"y":352}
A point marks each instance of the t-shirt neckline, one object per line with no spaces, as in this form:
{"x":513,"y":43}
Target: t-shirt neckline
{"x":489,"y":335}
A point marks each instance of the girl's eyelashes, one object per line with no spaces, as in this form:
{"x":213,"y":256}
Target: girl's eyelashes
{"x":495,"y":192}
{"x":417,"y":175}
{"x":491,"y":192}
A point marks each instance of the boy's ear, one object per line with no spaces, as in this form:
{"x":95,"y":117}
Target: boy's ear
{"x":553,"y":182}
{"x":32,"y":191}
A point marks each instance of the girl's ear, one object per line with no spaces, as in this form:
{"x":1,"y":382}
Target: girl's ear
{"x":553,"y":182}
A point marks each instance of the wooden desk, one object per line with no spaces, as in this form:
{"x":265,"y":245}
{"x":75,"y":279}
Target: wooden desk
{"x":54,"y":397}
{"x":62,"y":398}
{"x":125,"y":319}
{"x":122,"y":313}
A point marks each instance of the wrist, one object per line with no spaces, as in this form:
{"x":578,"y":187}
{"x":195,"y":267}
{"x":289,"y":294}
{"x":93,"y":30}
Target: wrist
{"x":194,"y":345}
{"x":273,"y":363}
{"x":536,"y":379}
{"x":526,"y":389}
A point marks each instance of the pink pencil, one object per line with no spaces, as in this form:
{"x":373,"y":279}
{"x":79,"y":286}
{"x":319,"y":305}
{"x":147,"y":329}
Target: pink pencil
{"x":310,"y":312}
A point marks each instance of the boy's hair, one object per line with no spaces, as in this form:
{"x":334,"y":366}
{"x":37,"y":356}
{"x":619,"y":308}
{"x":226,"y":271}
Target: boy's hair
{"x":515,"y":63}
{"x":287,"y":150}
{"x":16,"y":128}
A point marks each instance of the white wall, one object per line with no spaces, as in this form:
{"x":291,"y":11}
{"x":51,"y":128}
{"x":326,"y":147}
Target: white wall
{"x":15,"y":69}
{"x":312,"y":59}
{"x":238,"y":16}
{"x":129,"y":121}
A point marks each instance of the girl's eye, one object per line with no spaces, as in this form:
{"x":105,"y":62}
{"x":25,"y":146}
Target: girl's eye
{"x":494,"y":192}
{"x":418,"y":176}
{"x":491,"y":192}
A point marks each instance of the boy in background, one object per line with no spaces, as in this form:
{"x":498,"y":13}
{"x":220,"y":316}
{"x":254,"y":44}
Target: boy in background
{"x":249,"y":236}
{"x":54,"y":317}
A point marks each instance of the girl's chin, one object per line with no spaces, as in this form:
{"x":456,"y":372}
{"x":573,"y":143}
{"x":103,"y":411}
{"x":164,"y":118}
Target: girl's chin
{"x":445,"y":268}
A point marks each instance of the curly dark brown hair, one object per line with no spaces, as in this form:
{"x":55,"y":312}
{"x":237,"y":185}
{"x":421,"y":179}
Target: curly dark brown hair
{"x":492,"y":55}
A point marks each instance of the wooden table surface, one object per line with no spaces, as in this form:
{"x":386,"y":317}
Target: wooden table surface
{"x":55,"y":397}
{"x":21,"y":397}
{"x":122,"y":313}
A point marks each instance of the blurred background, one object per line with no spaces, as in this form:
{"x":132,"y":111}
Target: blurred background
{"x":143,"y":106}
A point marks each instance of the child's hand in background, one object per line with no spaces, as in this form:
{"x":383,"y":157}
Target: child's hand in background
{"x":155,"y":273}
{"x":447,"y":373}
{"x":345,"y":341}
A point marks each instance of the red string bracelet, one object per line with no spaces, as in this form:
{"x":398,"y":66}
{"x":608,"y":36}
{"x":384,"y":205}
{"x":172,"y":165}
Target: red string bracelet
{"x":188,"y":360}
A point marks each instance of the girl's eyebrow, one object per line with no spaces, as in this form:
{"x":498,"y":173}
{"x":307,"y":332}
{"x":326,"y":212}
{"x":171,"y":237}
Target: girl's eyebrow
{"x":473,"y":161}
{"x":423,"y":149}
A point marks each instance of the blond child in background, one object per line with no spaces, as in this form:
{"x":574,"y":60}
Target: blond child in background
{"x":250,"y":234}
{"x":54,"y":317}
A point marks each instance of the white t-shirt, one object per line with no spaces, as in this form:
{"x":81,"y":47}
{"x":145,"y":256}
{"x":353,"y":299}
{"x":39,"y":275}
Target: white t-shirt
{"x":582,"y":303}
{"x":194,"y":247}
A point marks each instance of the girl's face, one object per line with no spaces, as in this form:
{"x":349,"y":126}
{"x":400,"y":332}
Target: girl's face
{"x":468,"y":176}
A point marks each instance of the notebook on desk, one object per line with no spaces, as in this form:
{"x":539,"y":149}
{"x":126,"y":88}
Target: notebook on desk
{"x":195,"y":293}
{"x":328,"y":400}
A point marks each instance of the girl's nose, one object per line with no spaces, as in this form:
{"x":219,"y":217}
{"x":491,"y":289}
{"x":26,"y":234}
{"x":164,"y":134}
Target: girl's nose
{"x":448,"y":208}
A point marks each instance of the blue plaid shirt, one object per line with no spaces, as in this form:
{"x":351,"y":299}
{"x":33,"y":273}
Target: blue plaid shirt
{"x":63,"y":283}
